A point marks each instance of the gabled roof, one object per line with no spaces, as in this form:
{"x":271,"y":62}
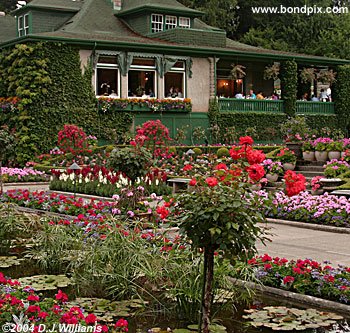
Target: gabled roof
{"x":170,"y":6}
{"x":96,"y":26}
{"x":8,"y":28}
{"x":62,"y":5}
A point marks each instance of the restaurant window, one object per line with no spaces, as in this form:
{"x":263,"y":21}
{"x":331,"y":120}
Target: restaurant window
{"x":23,"y":25}
{"x":175,"y":81}
{"x":107,"y":77}
{"x":184,"y":22}
{"x":157,"y":22}
{"x":142,"y":78}
{"x":170,"y":22}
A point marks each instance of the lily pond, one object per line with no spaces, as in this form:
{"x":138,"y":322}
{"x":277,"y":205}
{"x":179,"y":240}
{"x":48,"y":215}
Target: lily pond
{"x":149,"y":315}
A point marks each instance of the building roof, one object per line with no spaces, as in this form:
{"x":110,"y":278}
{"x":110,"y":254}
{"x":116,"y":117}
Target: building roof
{"x":133,"y":6}
{"x":96,"y":26}
{"x":62,"y":5}
{"x":8,"y":28}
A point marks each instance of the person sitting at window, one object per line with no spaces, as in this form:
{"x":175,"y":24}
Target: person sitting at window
{"x":171,"y":92}
{"x":113,"y":94}
{"x":305,"y":97}
{"x":151,"y":93}
{"x":274,"y":96}
{"x":239,"y":96}
{"x":260,"y":95}
{"x":177,"y":93}
{"x":251,"y":94}
{"x":314,"y":98}
{"x":323,"y":96}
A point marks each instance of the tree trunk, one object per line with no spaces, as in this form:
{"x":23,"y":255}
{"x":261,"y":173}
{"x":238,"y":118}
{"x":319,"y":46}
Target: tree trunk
{"x":208,"y":293}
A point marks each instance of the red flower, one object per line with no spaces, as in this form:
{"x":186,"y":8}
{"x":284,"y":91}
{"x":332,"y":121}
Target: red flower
{"x":61,"y":296}
{"x":267,"y":267}
{"x":163,"y":212}
{"x":255,"y":156}
{"x":256,"y":172}
{"x":187,"y":167}
{"x":221,"y":166}
{"x":33,"y":298}
{"x":90,"y":319}
{"x":193,"y":182}
{"x":295,"y":183}
{"x":211,"y":181}
{"x":288,"y":279}
{"x":246,"y":140}
{"x":123,"y":324}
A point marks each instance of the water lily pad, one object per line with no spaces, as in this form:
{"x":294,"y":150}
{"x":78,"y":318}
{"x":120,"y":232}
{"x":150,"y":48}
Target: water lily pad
{"x":281,"y":318}
{"x":106,"y":310}
{"x":7,"y":262}
{"x":46,"y":282}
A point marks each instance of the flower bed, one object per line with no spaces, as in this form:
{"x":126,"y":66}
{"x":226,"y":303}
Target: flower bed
{"x":40,"y":313}
{"x":303,"y":276}
{"x":107,"y":104}
{"x":14,"y":175}
{"x":8,"y":104}
{"x":324,"y":209}
{"x":56,"y":203}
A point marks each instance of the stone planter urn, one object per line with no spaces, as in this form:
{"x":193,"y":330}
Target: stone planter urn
{"x":334,"y":155}
{"x":296,"y":148}
{"x":317,"y":192}
{"x":256,"y":187}
{"x":342,"y":154}
{"x":272,"y":177}
{"x":309,"y":156}
{"x":321,"y":156}
{"x":288,"y":166}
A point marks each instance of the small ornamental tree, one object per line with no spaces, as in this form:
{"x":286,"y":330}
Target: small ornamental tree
{"x":155,"y":137}
{"x":132,"y":161}
{"x":72,"y":139}
{"x":219,"y":214}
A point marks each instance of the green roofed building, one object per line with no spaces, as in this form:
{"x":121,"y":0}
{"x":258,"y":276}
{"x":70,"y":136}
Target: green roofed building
{"x":162,"y":49}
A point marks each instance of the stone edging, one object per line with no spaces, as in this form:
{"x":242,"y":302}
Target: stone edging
{"x":43,"y":212}
{"x":81,"y":195}
{"x":299,"y":298}
{"x":26,"y":184}
{"x":313,"y":226}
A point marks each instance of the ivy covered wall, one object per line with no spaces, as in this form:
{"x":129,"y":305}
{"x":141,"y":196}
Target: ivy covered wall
{"x":342,"y":97}
{"x":53,"y":91}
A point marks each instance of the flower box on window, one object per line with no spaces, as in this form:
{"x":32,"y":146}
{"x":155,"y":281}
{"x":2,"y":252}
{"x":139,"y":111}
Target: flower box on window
{"x":107,"y":104}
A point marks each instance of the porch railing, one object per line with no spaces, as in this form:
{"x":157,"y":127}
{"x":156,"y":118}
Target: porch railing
{"x":252,"y":105}
{"x":306,"y":107}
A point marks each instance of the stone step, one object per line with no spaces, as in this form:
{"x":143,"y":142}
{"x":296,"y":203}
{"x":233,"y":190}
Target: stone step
{"x":310,"y":174}
{"x":309,"y":168}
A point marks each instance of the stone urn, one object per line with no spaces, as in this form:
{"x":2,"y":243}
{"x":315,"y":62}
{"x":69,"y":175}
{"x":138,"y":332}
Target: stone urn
{"x":334,"y":155}
{"x":317,"y":192}
{"x":272,"y":177}
{"x":296,"y":148}
{"x":309,"y":156}
{"x":288,"y":166}
{"x":321,"y":156}
{"x":342,"y":154}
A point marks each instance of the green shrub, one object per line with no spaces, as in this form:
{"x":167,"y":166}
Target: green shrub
{"x":172,"y":150}
{"x":223,"y":152}
{"x":197,"y":151}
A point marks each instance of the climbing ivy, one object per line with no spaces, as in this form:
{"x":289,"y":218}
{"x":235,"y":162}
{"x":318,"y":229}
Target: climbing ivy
{"x":53,"y":91}
{"x":289,"y":86}
{"x":341,"y":96}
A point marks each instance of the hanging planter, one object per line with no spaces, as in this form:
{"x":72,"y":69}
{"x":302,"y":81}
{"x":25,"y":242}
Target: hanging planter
{"x":237,"y":72}
{"x":272,"y":72}
{"x":326,"y":76}
{"x":308,"y":75}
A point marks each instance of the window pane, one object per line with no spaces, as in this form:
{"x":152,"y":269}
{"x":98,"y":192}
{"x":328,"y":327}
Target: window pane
{"x":170,"y":22}
{"x":143,"y":62}
{"x":20,"y":22}
{"x":141,"y":83}
{"x":174,"y":85}
{"x":157,"y":23}
{"x":107,"y":60}
{"x":26,"y":20}
{"x":184,"y":22}
{"x":107,"y":82}
{"x":179,"y":64}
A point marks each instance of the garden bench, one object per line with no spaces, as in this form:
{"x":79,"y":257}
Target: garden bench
{"x":179,"y":183}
